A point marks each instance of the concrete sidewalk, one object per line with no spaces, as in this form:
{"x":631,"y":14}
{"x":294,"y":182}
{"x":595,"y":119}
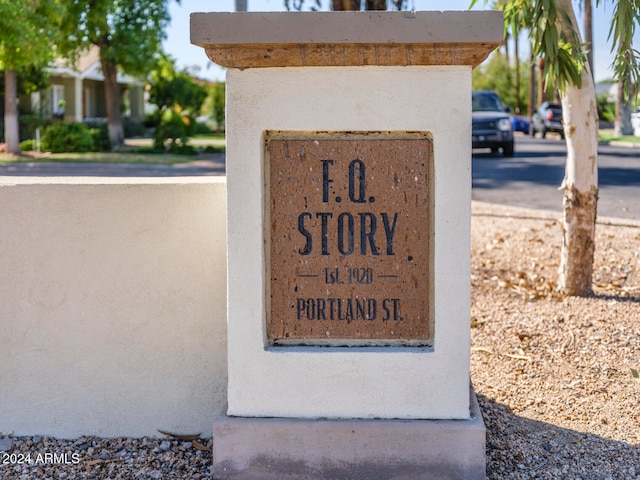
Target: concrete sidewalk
{"x":205,"y":165}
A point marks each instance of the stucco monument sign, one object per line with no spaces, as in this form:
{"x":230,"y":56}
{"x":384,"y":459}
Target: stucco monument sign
{"x":348,"y":193}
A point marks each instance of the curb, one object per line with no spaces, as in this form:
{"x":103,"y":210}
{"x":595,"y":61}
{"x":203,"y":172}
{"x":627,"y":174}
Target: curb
{"x":616,"y":143}
{"x":498,"y":210}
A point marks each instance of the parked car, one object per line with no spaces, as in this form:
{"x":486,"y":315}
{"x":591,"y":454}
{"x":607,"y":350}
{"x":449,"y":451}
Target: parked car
{"x":491,"y":126}
{"x":548,"y":118}
{"x":520,"y":123}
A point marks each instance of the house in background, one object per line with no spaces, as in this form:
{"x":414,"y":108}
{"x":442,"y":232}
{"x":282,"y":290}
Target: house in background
{"x":76,"y":93}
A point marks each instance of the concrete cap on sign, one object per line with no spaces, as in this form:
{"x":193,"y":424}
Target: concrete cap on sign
{"x":297,"y":39}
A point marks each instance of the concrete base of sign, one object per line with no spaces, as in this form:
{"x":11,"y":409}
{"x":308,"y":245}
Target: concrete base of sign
{"x":286,"y":449}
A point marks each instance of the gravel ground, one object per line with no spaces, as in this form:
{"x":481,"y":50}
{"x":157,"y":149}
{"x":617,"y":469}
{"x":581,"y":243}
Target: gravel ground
{"x":554,"y":377}
{"x":102,"y":459}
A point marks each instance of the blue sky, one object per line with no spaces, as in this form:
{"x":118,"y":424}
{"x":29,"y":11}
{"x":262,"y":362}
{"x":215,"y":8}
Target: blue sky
{"x":179,"y":47}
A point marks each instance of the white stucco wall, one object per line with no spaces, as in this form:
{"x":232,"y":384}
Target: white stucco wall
{"x":112,"y":305}
{"x":312,"y":382}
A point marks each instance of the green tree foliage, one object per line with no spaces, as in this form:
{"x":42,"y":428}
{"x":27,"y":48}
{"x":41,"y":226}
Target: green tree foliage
{"x":606,"y":109}
{"x":564,"y":56}
{"x":30,"y":30}
{"x":30,"y":79}
{"x":214,"y":105}
{"x":67,"y":137}
{"x":217,"y":94}
{"x":175,"y":88}
{"x":128,"y":34}
{"x":497,"y":75}
{"x":626,"y":64}
{"x":25,"y":24}
{"x":179,"y":100}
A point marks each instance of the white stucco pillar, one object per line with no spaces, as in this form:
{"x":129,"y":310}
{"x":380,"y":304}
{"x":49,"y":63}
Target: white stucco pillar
{"x":349,"y":190}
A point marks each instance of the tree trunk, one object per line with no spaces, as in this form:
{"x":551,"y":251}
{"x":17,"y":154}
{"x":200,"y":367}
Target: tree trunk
{"x":516,"y":52}
{"x":376,"y":5}
{"x":506,"y":48}
{"x":350,"y":5}
{"x":112,"y":95}
{"x":623,"y":124}
{"x":588,"y":34}
{"x":542,"y":87}
{"x":343,"y":5}
{"x":532,"y":85}
{"x":11,"y":131}
{"x":580,"y":184}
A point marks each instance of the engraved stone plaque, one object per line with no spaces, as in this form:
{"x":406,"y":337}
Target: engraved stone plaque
{"x":348,"y":238}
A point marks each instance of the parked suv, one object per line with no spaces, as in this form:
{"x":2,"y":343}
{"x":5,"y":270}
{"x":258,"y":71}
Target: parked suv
{"x":548,"y":118}
{"x":491,"y":125}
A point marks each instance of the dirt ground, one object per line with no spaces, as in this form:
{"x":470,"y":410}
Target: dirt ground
{"x":556,"y":377}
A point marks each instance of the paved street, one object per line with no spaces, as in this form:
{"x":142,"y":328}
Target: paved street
{"x":532,"y":177}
